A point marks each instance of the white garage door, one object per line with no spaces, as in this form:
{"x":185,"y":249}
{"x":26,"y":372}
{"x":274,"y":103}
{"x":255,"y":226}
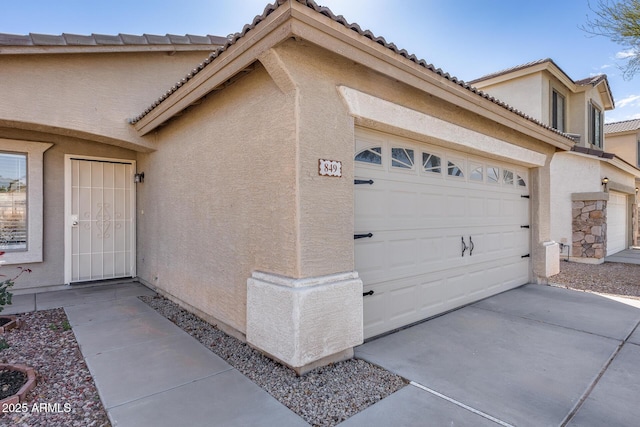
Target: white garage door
{"x":435,"y":229}
{"x":616,"y":223}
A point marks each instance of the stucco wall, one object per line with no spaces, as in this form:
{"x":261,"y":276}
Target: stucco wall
{"x":570,"y":174}
{"x":525,"y":93}
{"x":624,"y":146}
{"x":219,"y":198}
{"x":574,"y":173}
{"x":90,"y":94}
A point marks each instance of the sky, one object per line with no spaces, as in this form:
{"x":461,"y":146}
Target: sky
{"x":465,"y":38}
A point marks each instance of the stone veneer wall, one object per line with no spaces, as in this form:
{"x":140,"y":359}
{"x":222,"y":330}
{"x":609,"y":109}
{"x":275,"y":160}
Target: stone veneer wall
{"x":589,"y":229}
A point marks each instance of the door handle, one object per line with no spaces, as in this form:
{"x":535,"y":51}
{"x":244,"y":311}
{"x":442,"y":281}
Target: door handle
{"x":472,"y":246}
{"x":464,"y":246}
{"x":74,"y":220}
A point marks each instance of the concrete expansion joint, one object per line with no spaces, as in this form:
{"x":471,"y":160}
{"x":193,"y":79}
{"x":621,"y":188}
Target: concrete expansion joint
{"x":461,"y":405}
{"x":170,"y":388}
{"x":595,"y":382}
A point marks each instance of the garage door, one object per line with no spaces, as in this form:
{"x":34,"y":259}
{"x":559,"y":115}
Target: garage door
{"x":616,"y":223}
{"x":435,"y":229}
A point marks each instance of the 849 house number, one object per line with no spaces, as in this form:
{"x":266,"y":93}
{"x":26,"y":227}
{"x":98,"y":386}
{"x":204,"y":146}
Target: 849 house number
{"x":329,"y":168}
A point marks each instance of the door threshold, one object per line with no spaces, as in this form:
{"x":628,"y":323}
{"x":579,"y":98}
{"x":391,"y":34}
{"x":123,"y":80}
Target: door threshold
{"x":103,"y":282}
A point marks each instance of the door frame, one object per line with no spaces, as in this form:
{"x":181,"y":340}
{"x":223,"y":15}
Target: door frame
{"x":67,"y":211}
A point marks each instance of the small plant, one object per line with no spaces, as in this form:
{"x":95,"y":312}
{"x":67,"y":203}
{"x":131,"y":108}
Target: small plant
{"x":3,"y":344}
{"x":7,"y":284}
{"x":65,"y":326}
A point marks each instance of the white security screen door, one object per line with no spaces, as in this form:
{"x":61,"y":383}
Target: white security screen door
{"x":100,"y":219}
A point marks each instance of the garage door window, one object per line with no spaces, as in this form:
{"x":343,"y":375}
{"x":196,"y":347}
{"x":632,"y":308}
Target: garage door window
{"x":402,"y":158}
{"x":493,"y":175}
{"x":370,"y":155}
{"x":454,"y":170}
{"x":521,"y":182}
{"x":431,"y":163}
{"x":477,"y":174}
{"x":507,"y":177}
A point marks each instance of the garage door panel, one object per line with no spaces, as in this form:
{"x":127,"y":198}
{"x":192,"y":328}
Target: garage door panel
{"x":414,"y":261}
{"x":616,"y":223}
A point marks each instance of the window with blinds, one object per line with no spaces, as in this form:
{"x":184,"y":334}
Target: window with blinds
{"x":13,"y":201}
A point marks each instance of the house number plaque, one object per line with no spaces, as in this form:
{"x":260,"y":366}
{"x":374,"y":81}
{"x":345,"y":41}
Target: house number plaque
{"x":329,"y":168}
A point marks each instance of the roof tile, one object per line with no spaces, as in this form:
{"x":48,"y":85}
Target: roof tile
{"x":109,"y":40}
{"x":155,"y":39}
{"x":79,"y":40}
{"x":175,"y":39}
{"x":132,"y":39}
{"x":625,"y":126}
{"x":47,"y":40}
{"x":15,"y":40}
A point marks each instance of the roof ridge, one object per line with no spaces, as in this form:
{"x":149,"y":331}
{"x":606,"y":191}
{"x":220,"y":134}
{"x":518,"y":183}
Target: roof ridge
{"x":512,"y":69}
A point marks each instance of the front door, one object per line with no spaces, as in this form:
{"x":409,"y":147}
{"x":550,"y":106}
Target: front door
{"x":100,"y":235}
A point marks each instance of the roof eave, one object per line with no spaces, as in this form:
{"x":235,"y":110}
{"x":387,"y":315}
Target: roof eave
{"x":273,"y":30}
{"x":51,"y":50}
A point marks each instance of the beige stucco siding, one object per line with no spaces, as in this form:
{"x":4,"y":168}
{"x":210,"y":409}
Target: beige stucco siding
{"x":624,"y":146}
{"x":89,"y":96}
{"x":219,"y":198}
{"x":575,"y":173}
{"x":526,"y":93}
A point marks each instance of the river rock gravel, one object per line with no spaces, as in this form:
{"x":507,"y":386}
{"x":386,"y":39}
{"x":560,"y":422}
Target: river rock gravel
{"x":323,"y":397}
{"x":65,"y":394}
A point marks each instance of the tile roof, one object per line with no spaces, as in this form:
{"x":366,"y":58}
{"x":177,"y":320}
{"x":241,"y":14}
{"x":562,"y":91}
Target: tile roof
{"x":270,"y":8}
{"x":591,"y":80}
{"x":592,"y":152}
{"x":516,"y":68}
{"x":625,"y":126}
{"x":33,"y":39}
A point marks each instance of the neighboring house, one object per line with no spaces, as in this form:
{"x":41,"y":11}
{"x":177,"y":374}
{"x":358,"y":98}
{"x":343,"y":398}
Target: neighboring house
{"x":304,"y":187}
{"x":589,"y":219}
{"x":623,"y":139}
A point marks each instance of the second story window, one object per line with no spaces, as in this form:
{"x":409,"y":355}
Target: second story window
{"x":638,"y":152}
{"x":595,"y":126}
{"x":557,"y":111}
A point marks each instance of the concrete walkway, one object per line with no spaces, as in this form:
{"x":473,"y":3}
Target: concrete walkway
{"x":628,"y":256}
{"x":148,"y":371}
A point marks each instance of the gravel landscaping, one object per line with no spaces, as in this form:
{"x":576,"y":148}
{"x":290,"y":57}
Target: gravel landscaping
{"x":323,"y":397}
{"x":608,"y":278}
{"x":65,"y":394}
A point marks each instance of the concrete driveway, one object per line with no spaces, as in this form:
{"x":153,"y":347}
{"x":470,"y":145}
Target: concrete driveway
{"x":533,"y":356}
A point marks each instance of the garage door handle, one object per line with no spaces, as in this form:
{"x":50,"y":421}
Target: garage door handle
{"x":363,"y":181}
{"x":364,"y":294}
{"x":362,"y":236}
{"x":472,"y":246}
{"x":464,"y":246}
